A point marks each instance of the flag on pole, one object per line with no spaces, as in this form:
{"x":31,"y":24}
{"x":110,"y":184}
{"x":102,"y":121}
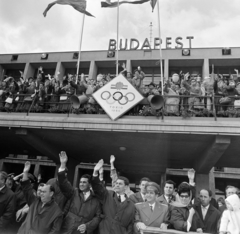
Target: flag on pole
{"x":79,"y":5}
{"x":110,"y":4}
{"x":153,"y":3}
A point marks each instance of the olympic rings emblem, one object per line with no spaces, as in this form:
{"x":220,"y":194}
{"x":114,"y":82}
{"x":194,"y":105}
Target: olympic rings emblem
{"x":117,"y":96}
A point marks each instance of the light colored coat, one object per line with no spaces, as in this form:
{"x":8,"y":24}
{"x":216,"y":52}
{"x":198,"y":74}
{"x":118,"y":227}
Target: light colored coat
{"x":151,"y":218}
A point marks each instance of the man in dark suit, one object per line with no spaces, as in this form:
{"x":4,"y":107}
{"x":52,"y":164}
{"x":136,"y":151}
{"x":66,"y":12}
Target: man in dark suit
{"x":118,"y":210}
{"x":140,"y":196}
{"x":7,"y":204}
{"x":167,"y":196}
{"x":151,"y":213}
{"x":206,"y":216}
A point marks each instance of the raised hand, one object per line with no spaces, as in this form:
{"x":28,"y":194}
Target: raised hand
{"x":101,"y":170}
{"x":191,"y":174}
{"x":63,"y":158}
{"x":99,"y":165}
{"x":112,"y":159}
{"x":27,"y":167}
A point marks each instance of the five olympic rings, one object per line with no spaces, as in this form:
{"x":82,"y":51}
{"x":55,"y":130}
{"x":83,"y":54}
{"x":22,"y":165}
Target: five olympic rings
{"x":117,"y":96}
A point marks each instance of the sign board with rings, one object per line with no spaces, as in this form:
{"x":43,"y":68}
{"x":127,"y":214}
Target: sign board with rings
{"x":117,"y":97}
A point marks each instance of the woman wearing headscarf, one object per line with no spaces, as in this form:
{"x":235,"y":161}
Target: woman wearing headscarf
{"x":230,"y":221}
{"x":182,"y":211}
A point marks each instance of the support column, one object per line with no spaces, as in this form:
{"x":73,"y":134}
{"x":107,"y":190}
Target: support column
{"x":205,"y":68}
{"x":2,"y":73}
{"x":28,"y":71}
{"x":162,"y":181}
{"x":212,"y":154}
{"x":129,"y":66}
{"x":60,"y":68}
{"x":205,"y":181}
{"x":93,"y":70}
{"x":71,"y":165}
{"x":166,"y":68}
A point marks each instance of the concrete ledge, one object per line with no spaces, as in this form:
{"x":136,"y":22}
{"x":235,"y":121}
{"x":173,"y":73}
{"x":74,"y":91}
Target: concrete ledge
{"x":224,"y":126}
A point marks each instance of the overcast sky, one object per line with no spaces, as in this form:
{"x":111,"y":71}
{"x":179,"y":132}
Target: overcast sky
{"x":23,"y":29}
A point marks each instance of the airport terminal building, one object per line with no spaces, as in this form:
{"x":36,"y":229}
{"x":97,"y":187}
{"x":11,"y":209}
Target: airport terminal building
{"x":158,"y":148}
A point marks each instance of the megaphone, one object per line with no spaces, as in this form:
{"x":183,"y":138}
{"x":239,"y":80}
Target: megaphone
{"x":156,"y":101}
{"x":78,"y":100}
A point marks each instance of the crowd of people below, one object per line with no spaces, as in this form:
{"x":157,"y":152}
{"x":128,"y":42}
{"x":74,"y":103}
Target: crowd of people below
{"x":184,"y":94}
{"x":57,"y":207}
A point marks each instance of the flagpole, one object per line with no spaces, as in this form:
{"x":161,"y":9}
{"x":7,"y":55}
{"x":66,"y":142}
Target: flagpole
{"x":117,"y":37}
{"x":80,"y":46}
{"x":160,"y":47}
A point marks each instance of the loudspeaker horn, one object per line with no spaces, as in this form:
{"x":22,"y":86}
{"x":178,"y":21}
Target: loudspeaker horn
{"x":156,"y":101}
{"x":78,"y":100}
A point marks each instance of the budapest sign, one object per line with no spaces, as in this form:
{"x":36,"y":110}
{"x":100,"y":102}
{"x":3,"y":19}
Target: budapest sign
{"x":134,"y":44}
{"x":117,"y":97}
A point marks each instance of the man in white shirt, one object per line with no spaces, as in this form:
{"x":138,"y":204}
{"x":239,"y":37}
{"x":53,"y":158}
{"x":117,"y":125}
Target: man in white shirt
{"x":140,"y":196}
{"x":84,"y":209}
{"x":206,"y":216}
{"x":168,"y":196}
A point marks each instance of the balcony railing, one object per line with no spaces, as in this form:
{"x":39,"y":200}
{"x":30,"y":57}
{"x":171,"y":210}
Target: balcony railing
{"x":184,"y":106}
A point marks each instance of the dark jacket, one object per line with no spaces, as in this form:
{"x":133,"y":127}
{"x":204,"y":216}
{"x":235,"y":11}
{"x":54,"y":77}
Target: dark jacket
{"x":7,"y":208}
{"x":210,"y":223}
{"x":80,"y":211}
{"x":179,"y":216}
{"x":136,"y":197}
{"x":44,"y":220}
{"x":59,"y":198}
{"x":118,"y":216}
{"x":163,"y":200}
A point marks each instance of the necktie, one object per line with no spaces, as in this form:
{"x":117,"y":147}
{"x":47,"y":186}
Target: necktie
{"x":151,"y":207}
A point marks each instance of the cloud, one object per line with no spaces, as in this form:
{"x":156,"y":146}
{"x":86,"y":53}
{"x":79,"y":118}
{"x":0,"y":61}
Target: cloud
{"x":24,"y":29}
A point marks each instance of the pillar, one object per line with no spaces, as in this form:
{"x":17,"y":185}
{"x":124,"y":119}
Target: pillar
{"x":205,"y":69}
{"x":71,"y":165}
{"x":60,"y":68}
{"x":166,"y":68}
{"x":1,"y":73}
{"x":205,"y":181}
{"x":28,"y":71}
{"x":129,"y":66}
{"x":93,"y":70}
{"x":162,"y":182}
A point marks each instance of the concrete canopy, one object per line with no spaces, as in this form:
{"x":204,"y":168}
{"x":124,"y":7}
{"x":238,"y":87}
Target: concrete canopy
{"x":147,"y":151}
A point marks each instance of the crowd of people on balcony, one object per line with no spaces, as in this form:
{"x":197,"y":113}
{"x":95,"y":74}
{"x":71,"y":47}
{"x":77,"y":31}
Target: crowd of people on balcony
{"x":28,"y":206}
{"x":184,"y":94}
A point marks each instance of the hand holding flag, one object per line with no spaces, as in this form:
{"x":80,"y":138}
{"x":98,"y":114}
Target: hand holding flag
{"x":79,"y":5}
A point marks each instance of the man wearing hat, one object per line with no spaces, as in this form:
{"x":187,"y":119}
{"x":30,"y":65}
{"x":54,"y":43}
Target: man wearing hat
{"x":151,"y":213}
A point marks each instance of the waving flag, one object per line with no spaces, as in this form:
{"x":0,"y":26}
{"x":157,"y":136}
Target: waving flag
{"x":153,"y":3}
{"x":79,"y":5}
{"x":108,"y":3}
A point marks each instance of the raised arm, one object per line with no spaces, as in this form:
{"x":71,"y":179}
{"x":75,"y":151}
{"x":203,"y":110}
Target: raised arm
{"x":113,"y":173}
{"x":65,"y":186}
{"x":26,"y":185}
{"x":97,"y":186}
